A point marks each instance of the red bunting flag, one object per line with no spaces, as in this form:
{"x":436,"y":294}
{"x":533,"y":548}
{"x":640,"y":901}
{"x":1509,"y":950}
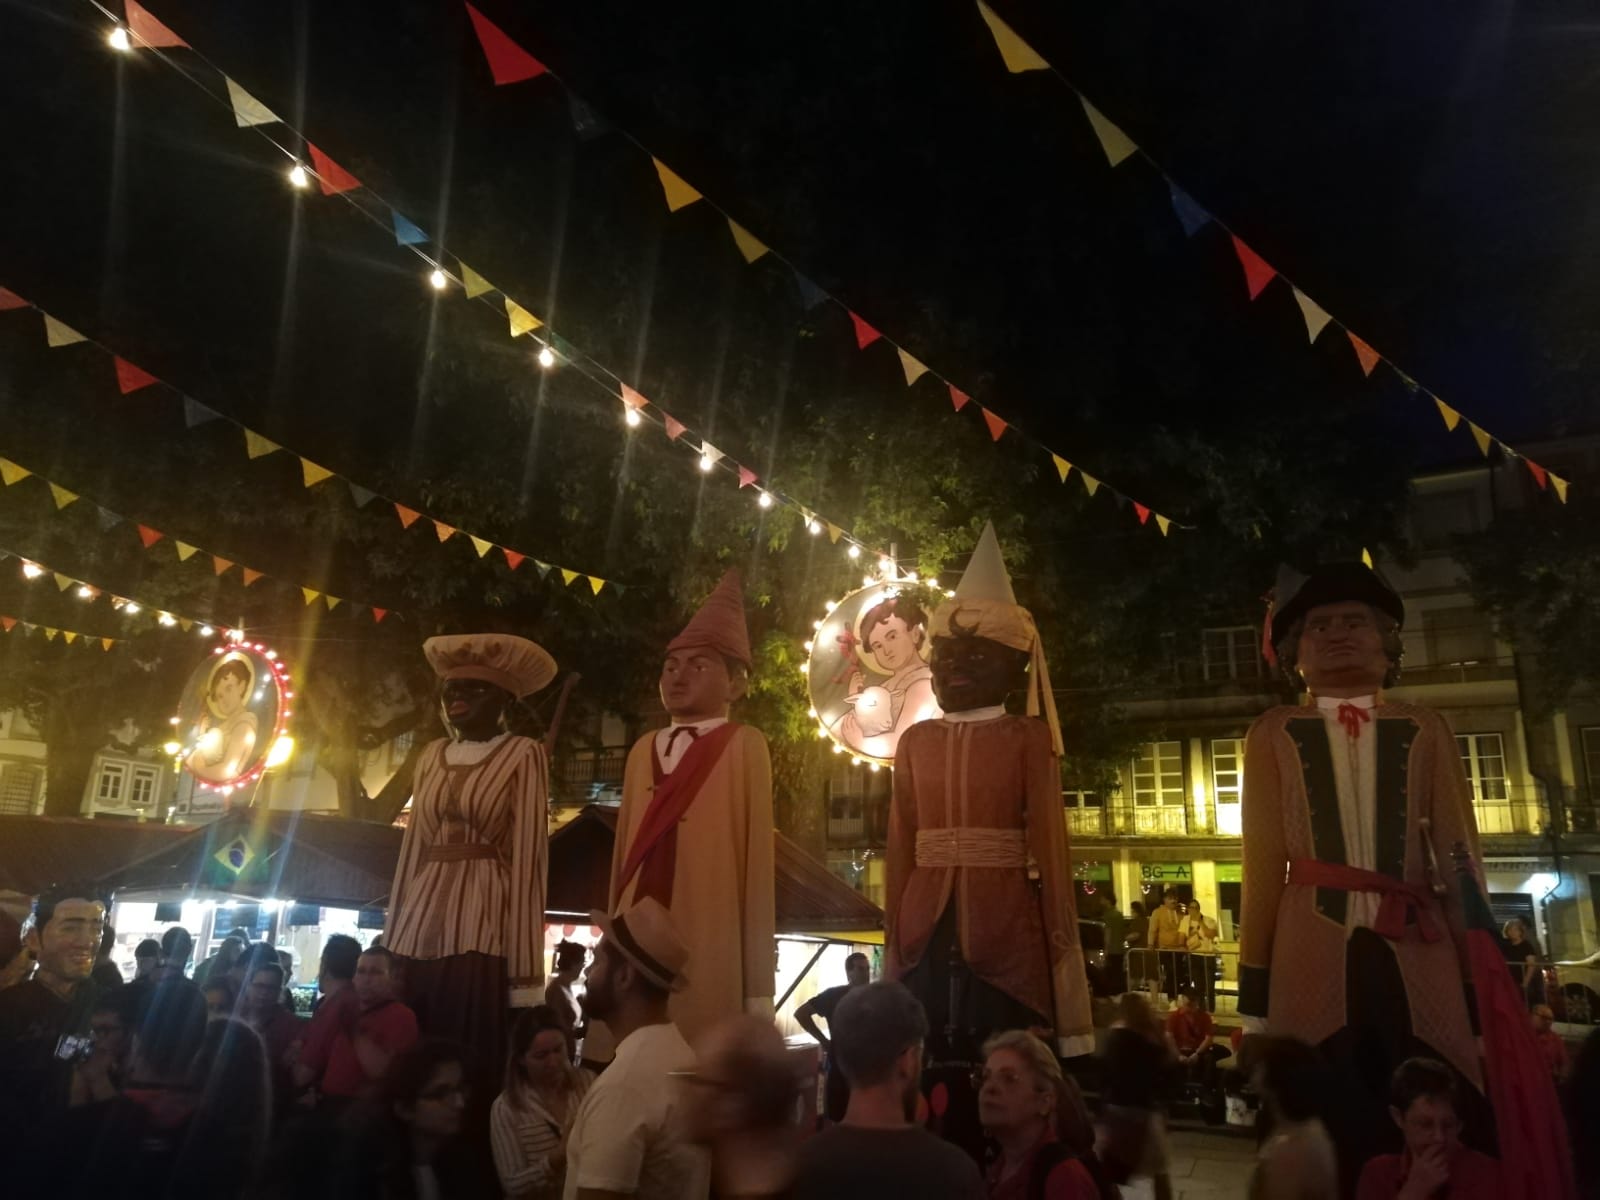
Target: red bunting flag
{"x":145,"y":28}
{"x":378,"y":614}
{"x":219,"y":566}
{"x":959,"y":398}
{"x":508,"y":62}
{"x":1257,"y":274}
{"x":149,"y":536}
{"x":331,"y":177}
{"x":513,"y":559}
{"x":1144,"y":513}
{"x":747,"y":477}
{"x":632,"y":398}
{"x":1367,"y":356}
{"x":8,"y":623}
{"x":1540,"y":475}
{"x":675,"y":428}
{"x":407,"y":516}
{"x":445,"y":532}
{"x":10,"y":300}
{"x":250,"y":576}
{"x":995,"y":422}
{"x":131,"y":378}
{"x":865,"y":334}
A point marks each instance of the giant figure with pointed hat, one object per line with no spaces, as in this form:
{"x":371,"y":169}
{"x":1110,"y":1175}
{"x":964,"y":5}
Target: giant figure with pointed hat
{"x":981,"y":920}
{"x":695,"y":831}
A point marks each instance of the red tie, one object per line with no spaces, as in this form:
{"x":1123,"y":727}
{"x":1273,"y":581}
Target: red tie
{"x":1353,"y":717}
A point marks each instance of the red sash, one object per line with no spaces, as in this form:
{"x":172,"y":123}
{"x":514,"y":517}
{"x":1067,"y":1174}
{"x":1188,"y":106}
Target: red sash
{"x":1399,"y":897}
{"x":655,"y":846}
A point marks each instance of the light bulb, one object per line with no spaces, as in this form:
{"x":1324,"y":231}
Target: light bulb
{"x":872,"y":767}
{"x":298,"y":176}
{"x":705,"y":462}
{"x":912,"y":576}
{"x":31,"y":570}
{"x":439,"y":280}
{"x":206,"y":631}
{"x":816,"y":624}
{"x":633,"y":418}
{"x":838,"y":749}
{"x":812,"y":713}
{"x":808,"y":647}
{"x":130,"y":607}
{"x":866,"y":581}
{"x":168,"y":619}
{"x":831,"y":605}
{"x":765,"y":500}
{"x":172,"y":749}
{"x":119,"y":39}
{"x":813,"y":526}
{"x":854,"y":551}
{"x":547,"y":358}
{"x":85,"y":592}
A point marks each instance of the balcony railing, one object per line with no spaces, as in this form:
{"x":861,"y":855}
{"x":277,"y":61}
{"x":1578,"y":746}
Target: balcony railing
{"x":1128,"y":820}
{"x":578,"y":773}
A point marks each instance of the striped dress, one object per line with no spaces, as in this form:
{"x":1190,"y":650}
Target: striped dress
{"x":523,"y":1139}
{"x":473,"y":861}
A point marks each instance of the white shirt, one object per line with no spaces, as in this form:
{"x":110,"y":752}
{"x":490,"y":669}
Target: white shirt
{"x":627,"y":1136}
{"x":1355,"y":779}
{"x":670,"y":750}
{"x":466,"y":754}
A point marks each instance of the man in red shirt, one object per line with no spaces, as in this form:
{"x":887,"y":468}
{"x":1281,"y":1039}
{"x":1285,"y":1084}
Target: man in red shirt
{"x":1189,"y":1029}
{"x":364,"y":1046}
{"x":337,"y":1007}
{"x":1423,"y":1103}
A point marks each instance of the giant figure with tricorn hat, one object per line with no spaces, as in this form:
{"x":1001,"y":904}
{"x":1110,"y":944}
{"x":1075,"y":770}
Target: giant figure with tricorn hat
{"x":1355,"y":922}
{"x":981,"y":922}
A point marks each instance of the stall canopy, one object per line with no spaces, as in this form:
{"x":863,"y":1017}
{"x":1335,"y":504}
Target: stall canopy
{"x":36,"y":852}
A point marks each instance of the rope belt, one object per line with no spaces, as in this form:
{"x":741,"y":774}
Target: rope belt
{"x":971,"y":846}
{"x":458,"y":851}
{"x":1400,"y":899}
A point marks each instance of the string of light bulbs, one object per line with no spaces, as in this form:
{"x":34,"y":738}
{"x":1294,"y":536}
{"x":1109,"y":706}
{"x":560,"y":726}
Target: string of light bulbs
{"x":33,"y":569}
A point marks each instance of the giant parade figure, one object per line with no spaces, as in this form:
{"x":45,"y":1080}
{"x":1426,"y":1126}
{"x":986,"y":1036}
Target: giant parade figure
{"x":1354,"y":932}
{"x":695,"y":830}
{"x":980,"y":918}
{"x":466,"y":910}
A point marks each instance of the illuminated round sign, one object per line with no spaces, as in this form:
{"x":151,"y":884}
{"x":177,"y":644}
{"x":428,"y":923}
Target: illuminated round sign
{"x":868,"y":670}
{"x":234,"y":711}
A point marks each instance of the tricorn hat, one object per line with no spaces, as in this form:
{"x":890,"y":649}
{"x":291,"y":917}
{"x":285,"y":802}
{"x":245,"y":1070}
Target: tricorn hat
{"x":719,"y":624}
{"x":647,"y":937}
{"x":519,"y":666}
{"x":1330,"y":583}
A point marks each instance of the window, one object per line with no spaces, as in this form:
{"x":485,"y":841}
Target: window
{"x":142,"y":794}
{"x":1086,"y":814}
{"x":1484,"y":757}
{"x":1591,"y":761}
{"x":1438,"y":517}
{"x":1158,"y":775}
{"x":1457,"y":635}
{"x":112,"y":783}
{"x":19,"y":788}
{"x":1227,"y":782}
{"x":1231,"y":653}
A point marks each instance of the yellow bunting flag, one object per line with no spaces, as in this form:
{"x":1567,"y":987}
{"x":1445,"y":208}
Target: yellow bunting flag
{"x":749,"y":245}
{"x":834,"y":533}
{"x":1016,"y":53}
{"x":62,"y":581}
{"x":57,"y":334}
{"x":1366,"y":558}
{"x":313,"y":474}
{"x":61,"y":495}
{"x":1560,"y":486}
{"x":1481,"y":436}
{"x":1090,"y":483}
{"x":50,"y":634}
{"x":247,"y":110}
{"x":1062,"y":466}
{"x":310,"y":594}
{"x":1163,"y":523}
{"x":522,"y":321}
{"x":568,"y":576}
{"x":1316,"y":316}
{"x":445,"y":532}
{"x":185,"y":551}
{"x":256,"y":446}
{"x":185,"y":624}
{"x":1451,"y":417}
{"x":332,"y":602}
{"x":69,"y":635}
{"x":472,"y":283}
{"x":11,"y":473}
{"x":481,"y":546}
{"x":1117,"y":145}
{"x":913,"y":369}
{"x":107,"y":643}
{"x":596,"y":584}
{"x":678,"y":192}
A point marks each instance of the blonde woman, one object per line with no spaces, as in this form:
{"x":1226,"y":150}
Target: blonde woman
{"x":1037,"y":1117}
{"x":531,"y":1118}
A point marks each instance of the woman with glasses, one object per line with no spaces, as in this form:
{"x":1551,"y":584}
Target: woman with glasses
{"x":531,"y":1118}
{"x":1037,"y":1117}
{"x":410,"y":1146}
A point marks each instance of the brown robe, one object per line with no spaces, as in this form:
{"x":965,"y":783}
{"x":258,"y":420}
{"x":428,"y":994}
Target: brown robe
{"x":998,"y":774}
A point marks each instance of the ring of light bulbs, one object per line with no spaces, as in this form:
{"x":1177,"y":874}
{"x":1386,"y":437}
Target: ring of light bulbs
{"x":280,"y":676}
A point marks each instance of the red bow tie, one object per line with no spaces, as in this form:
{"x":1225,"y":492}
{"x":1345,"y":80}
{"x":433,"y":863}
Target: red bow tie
{"x":1353,"y":717}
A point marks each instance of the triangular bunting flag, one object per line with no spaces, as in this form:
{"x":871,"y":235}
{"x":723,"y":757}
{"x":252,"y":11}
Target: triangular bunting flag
{"x":1122,"y":501}
{"x":1190,"y":215}
{"x":310,"y":594}
{"x":103,"y":517}
{"x":913,"y":369}
{"x":596,"y":584}
{"x":1163,"y":523}
{"x":481,"y":546}
{"x":1144,"y":513}
{"x":959,"y":398}
{"x":195,"y":413}
{"x":586,"y":123}
{"x":406,"y":233}
{"x":131,"y":378}
{"x":542,"y":567}
{"x":568,"y":576}
{"x":69,"y":635}
{"x":1257,"y":274}
{"x":471,"y":282}
{"x":1090,"y":483}
{"x":250,"y":576}
{"x":8,"y":623}
{"x":185,"y":551}
{"x":256,"y":446}
{"x":1481,"y":436}
{"x":865,"y":334}
{"x":810,"y":294}
{"x":1117,"y":145}
{"x":107,"y":643}
{"x":707,"y":450}
{"x":834,"y":533}
{"x":63,"y":582}
{"x":11,"y":473}
{"x":407,"y":515}
{"x":632,"y":398}
{"x":313,"y":474}
{"x":995,"y":422}
{"x":445,"y":532}
{"x":1062,"y":466}
{"x":508,"y":62}
{"x":1365,"y":354}
{"x":1316,"y":316}
{"x":678,"y":192}
{"x":220,"y":566}
{"x":57,"y":334}
{"x":378,"y":614}
{"x":332,"y":602}
{"x":146,"y":29}
{"x":1366,"y":558}
{"x":1451,"y":417}
{"x":149,"y":536}
{"x":331,"y":177}
{"x":61,"y":496}
{"x":50,"y":635}
{"x":1014,"y":52}
{"x":1540,"y":475}
{"x":247,"y":110}
{"x":360,"y":495}
{"x":749,"y":245}
{"x":747,"y":477}
{"x":522,"y":321}
{"x":185,"y":624}
{"x":1560,"y":486}
{"x":675,"y":427}
{"x":10,"y":300}
{"x":513,"y":559}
